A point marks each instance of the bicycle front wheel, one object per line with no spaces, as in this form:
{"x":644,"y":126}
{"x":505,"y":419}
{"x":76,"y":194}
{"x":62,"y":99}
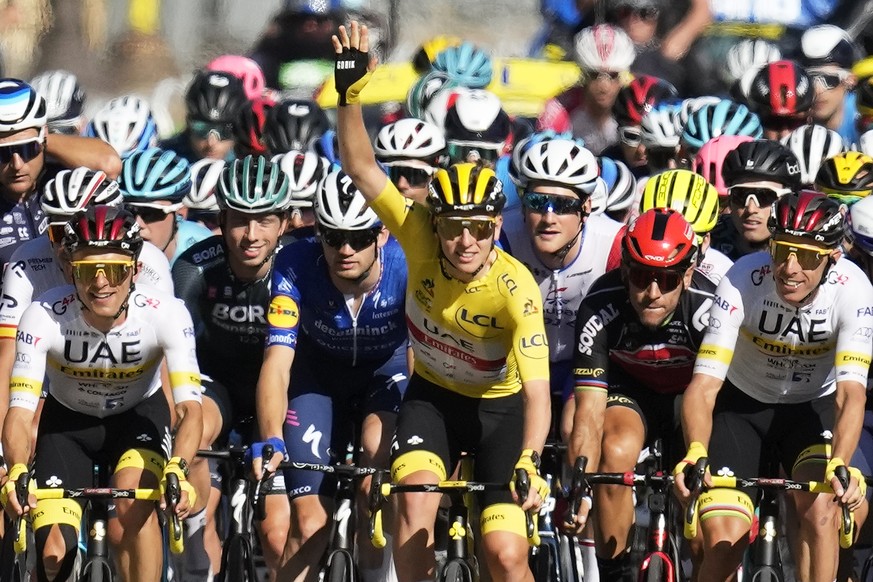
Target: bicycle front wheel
{"x":341,"y":567}
{"x":657,"y":569}
{"x":456,"y":571}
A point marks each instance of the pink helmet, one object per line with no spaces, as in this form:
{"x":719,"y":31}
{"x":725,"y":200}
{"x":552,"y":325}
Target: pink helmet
{"x":245,"y":69}
{"x":711,"y":156}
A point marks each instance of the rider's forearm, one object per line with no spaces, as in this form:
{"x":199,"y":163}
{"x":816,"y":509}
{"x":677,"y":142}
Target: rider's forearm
{"x":679,"y":40}
{"x":537,"y":414}
{"x":190,"y":431}
{"x":16,"y":436}
{"x":7,"y":360}
{"x":73,"y":151}
{"x":698,"y":403}
{"x":848,"y":418}
{"x":272,"y":391}
{"x":587,"y":432}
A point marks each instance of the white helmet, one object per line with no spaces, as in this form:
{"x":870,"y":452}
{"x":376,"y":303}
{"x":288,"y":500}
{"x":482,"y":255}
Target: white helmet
{"x":658,"y":129}
{"x":476,"y":116}
{"x":305,"y":171}
{"x":438,"y":106}
{"x":125,"y":123}
{"x":560,"y":161}
{"x":410,"y":139}
{"x":865,"y":143}
{"x":827,"y":44}
{"x":812,"y":144}
{"x":748,"y":54}
{"x":64,"y":98}
{"x":339,"y":204}
{"x":604,"y":48}
{"x":73,"y":190}
{"x":21,"y":107}
{"x":599,"y":196}
{"x":205,"y":175}
{"x":859,"y":224}
{"x":623,"y":191}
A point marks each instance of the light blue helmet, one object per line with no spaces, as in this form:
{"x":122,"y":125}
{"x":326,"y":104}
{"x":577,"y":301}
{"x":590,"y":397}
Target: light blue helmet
{"x":723,"y":118}
{"x":466,"y":65}
{"x":125,"y":123}
{"x":155,"y":175}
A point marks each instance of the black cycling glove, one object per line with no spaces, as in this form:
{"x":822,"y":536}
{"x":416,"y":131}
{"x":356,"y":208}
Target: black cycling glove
{"x":351,"y":75}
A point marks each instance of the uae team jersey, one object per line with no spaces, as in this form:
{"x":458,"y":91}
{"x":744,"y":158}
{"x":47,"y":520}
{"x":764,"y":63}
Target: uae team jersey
{"x":103,"y":374}
{"x":777,"y":353}
{"x":34,"y":269}
{"x":481,"y":339}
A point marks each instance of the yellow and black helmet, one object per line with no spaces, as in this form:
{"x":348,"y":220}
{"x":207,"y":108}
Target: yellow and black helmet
{"x":424,"y":57}
{"x":466,"y":187}
{"x":847,"y":177}
{"x":687,"y":192}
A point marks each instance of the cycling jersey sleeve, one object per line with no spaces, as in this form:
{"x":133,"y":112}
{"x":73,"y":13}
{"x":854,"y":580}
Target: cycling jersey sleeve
{"x":591,"y":360}
{"x":614,"y":259}
{"x":855,"y":337}
{"x":407,"y":221}
{"x":176,"y":337}
{"x":35,"y":334}
{"x":725,"y":320}
{"x":529,"y":335}
{"x":154,"y":268}
{"x":283,"y":315}
{"x":189,"y":286}
{"x":17,"y":295}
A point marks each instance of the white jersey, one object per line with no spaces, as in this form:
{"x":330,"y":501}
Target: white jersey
{"x":103,"y":374}
{"x":564,"y":289}
{"x":34,"y":269}
{"x":777,"y":353}
{"x":715,"y":265}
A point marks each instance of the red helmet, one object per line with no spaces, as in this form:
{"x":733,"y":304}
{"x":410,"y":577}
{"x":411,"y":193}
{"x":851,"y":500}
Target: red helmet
{"x":808,"y":214}
{"x":639,"y":97}
{"x":249,"y":126}
{"x":659,"y":238}
{"x":782,"y":89}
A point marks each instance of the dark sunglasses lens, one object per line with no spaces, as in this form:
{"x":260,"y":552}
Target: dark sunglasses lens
{"x":450,"y":229}
{"x":27,"y":151}
{"x":358,"y":240}
{"x":666,"y":280}
{"x":558,"y":204}
{"x":415,"y":177}
{"x":202,"y":129}
{"x":764,"y":196}
{"x":148,"y":214}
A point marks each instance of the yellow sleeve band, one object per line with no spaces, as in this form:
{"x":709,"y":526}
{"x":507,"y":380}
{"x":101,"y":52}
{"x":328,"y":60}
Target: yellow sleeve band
{"x":852,"y":358}
{"x":178,"y":379}
{"x":25,"y":385}
{"x":714,"y":352}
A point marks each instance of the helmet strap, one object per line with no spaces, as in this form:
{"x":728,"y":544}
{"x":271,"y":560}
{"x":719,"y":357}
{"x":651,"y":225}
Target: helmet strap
{"x":366,"y":273}
{"x":561,"y":253}
{"x":172,"y":235}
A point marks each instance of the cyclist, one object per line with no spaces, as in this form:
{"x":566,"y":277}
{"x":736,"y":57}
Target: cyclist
{"x":563,"y":246}
{"x":605,"y":54}
{"x":249,"y":127}
{"x":782,"y":95}
{"x":125,"y":123}
{"x":100,"y":342}
{"x":411,"y":150}
{"x":212,"y":104}
{"x":697,"y":200}
{"x":480,"y":346}
{"x":813,"y":144}
{"x":846,"y":177}
{"x":65,"y":100}
{"x":336,"y":355}
{"x":200,"y":201}
{"x":224,"y":281}
{"x":244,"y":69}
{"x":154,"y":183}
{"x":24,"y":145}
{"x":305,"y":171}
{"x":294,"y":124}
{"x":659,"y":135}
{"x":756,"y":173}
{"x":637,"y":333}
{"x":785,"y":359}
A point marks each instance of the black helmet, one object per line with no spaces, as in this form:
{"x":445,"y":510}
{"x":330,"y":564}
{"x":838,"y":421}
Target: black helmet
{"x":103,"y":227}
{"x":294,"y":124}
{"x":762,"y":159}
{"x":215,"y":96}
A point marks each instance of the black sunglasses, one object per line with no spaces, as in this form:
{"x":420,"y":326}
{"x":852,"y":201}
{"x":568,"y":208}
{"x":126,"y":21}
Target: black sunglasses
{"x":27,"y":150}
{"x":358,"y":240}
{"x":543,"y":203}
{"x":147,"y":213}
{"x":415,"y":177}
{"x":667,"y":279}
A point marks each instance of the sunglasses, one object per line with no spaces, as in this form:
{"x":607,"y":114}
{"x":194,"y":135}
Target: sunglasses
{"x":474,"y":153}
{"x":777,"y":123}
{"x":27,"y":149}
{"x":115,"y":272}
{"x":415,"y":177}
{"x":450,"y":228}
{"x":150,"y":214}
{"x":828,"y":81}
{"x":647,"y":13}
{"x":667,"y":279}
{"x":202,"y":129}
{"x":630,"y":136}
{"x":56,"y":232}
{"x":761,"y":196}
{"x":808,"y":257}
{"x":358,"y":240}
{"x":606,"y":75}
{"x":544,"y":203}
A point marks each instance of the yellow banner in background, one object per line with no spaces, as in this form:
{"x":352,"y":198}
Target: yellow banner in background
{"x":144,"y":16}
{"x":523,"y":85}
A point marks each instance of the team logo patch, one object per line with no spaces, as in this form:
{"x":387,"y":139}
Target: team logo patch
{"x":283,"y":312}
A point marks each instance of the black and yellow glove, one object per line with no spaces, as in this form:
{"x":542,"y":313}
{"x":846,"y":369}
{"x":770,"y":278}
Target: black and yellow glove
{"x":8,"y":489}
{"x":527,"y":462}
{"x":351,"y":75}
{"x":179,"y":467}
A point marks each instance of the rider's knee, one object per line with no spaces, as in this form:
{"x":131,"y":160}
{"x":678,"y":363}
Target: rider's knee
{"x":619,"y":453}
{"x":56,"y":530}
{"x":503,"y":531}
{"x":308,"y":517}
{"x":725,"y":517}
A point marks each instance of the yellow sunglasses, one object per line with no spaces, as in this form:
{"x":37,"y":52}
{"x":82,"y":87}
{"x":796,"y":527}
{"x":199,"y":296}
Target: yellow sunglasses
{"x":115,"y":272}
{"x":808,"y":257}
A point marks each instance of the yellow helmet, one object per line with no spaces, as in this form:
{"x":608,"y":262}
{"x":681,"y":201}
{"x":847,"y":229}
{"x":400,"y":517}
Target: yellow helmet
{"x":466,"y":187}
{"x":429,"y":49}
{"x":847,"y":177}
{"x":686,"y":192}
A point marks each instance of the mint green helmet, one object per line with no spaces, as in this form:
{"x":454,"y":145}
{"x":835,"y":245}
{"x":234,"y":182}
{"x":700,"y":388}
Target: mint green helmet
{"x":253,"y":185}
